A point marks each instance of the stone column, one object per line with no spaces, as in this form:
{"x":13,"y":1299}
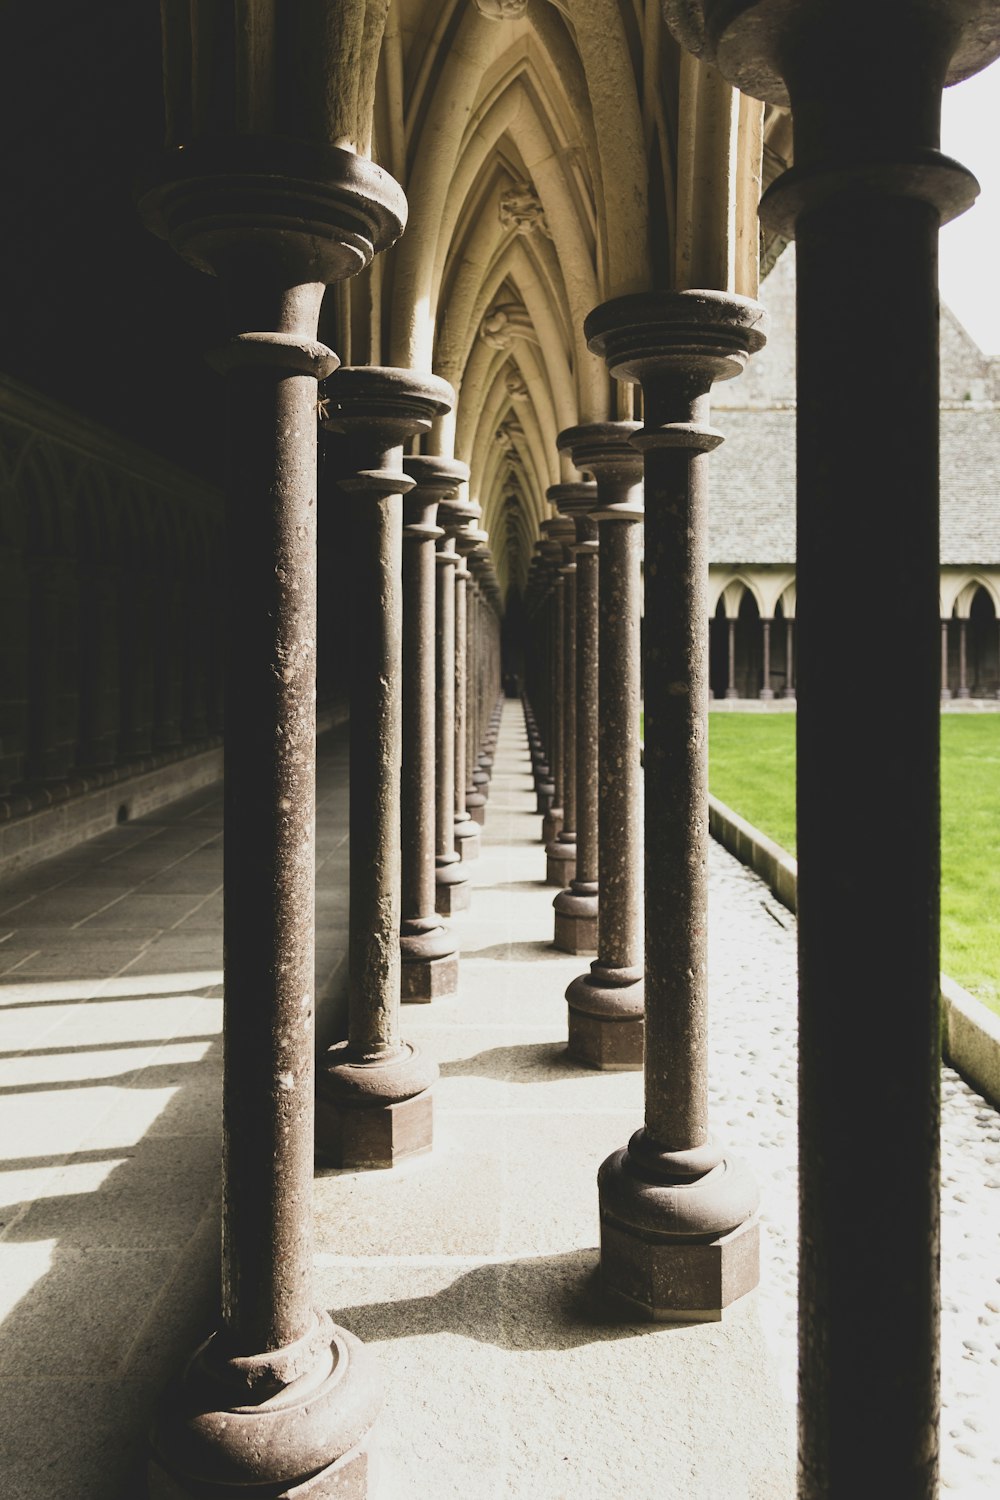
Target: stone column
{"x":765,"y":692}
{"x":576,"y":905}
{"x":427,"y":948}
{"x":552,"y":555}
{"x":277,"y":1397}
{"x":560,"y":853}
{"x":606,"y":1004}
{"x":945,"y":689}
{"x":863,"y":202}
{"x":452,"y":882}
{"x":475,"y":797}
{"x":373,"y":1099}
{"x":963,"y":639}
{"x":679,"y":1230}
{"x":789,"y":657}
{"x":731,"y":688}
{"x":467,"y":540}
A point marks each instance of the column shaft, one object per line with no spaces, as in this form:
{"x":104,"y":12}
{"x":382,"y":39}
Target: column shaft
{"x":269,"y":862}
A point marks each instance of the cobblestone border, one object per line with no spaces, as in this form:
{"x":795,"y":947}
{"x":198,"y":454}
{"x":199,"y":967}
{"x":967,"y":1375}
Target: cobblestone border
{"x":970,"y":1032}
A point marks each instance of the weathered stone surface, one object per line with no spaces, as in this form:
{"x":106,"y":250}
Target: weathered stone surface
{"x":680,"y":1281}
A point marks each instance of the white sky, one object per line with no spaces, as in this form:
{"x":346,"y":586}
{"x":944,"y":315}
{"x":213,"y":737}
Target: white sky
{"x":970,"y":244}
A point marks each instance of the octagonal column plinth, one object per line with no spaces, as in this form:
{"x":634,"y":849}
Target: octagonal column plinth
{"x":560,"y":852}
{"x":468,"y":538}
{"x":451,"y":881}
{"x":576,"y":905}
{"x":679,"y":1230}
{"x":373,"y":1098}
{"x":427,"y":947}
{"x":606,"y":1004}
{"x":864,"y":204}
{"x":278,"y":1400}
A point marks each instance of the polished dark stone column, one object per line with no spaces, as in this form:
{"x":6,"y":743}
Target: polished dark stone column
{"x":679,"y":1230}
{"x":945,"y":689}
{"x":766,"y":692}
{"x":452,"y":882}
{"x":552,"y":556}
{"x":468,"y":538}
{"x":606,"y":1004}
{"x":576,"y":905}
{"x":731,"y":688}
{"x":863,"y":202}
{"x":278,"y":1397}
{"x":560,"y":852}
{"x":963,"y":637}
{"x":373,"y":1097}
{"x":475,"y":797}
{"x":427,"y":947}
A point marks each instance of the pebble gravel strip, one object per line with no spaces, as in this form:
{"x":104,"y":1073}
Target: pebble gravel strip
{"x":753,"y":1108}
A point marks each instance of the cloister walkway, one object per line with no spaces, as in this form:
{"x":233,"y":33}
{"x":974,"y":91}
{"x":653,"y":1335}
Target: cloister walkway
{"x":471,"y":1271}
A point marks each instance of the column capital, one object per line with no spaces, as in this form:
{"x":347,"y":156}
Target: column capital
{"x":433,"y":481}
{"x":606,"y":450}
{"x":811,"y":57}
{"x":689,"y":338}
{"x":376,"y":409}
{"x":295,"y":211}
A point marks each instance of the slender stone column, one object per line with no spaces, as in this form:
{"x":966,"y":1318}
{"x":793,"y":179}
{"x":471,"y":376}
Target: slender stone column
{"x":945,"y":689}
{"x":277,"y":1397}
{"x":427,"y":948}
{"x":373,"y":1100}
{"x":963,"y":638}
{"x":475,"y":800}
{"x":468,"y":538}
{"x":552,"y":555}
{"x":452,"y":883}
{"x":789,"y":657}
{"x":560,"y":853}
{"x":765,"y":692}
{"x":576,"y":905}
{"x":864,"y":201}
{"x":679,"y":1230}
{"x":606,"y":1004}
{"x":731,"y":689}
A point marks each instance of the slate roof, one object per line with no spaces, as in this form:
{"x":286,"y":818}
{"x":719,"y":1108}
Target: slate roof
{"x":752,"y":475}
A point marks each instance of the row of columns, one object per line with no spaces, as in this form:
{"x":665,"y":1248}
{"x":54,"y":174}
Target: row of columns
{"x":279,"y":1401}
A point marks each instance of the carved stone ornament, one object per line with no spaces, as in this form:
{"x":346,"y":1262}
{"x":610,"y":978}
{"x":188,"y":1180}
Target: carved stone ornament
{"x":521,"y":210}
{"x":502,"y":10}
{"x":516,"y":386}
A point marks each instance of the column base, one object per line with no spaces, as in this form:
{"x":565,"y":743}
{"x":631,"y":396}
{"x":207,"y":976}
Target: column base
{"x":560,"y":862}
{"x":606,"y":1019}
{"x":732,"y":693}
{"x":551,"y":823}
{"x":374,"y":1111}
{"x":765,"y":695}
{"x":576,"y":918}
{"x":452,"y":892}
{"x":468,"y":841}
{"x":428,"y":961}
{"x":475,"y":805}
{"x":230,"y":1429}
{"x":545,"y":792}
{"x":679,"y":1245}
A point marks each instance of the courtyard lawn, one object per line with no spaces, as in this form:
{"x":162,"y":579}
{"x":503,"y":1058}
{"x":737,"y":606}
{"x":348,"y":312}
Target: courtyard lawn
{"x":752,"y":770}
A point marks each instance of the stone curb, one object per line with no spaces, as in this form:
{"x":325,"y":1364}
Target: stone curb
{"x":970,"y":1031}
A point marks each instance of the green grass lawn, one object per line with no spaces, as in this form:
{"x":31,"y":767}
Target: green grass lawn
{"x":752,"y":770}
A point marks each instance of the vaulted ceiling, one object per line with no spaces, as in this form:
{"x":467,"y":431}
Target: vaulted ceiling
{"x":554,"y":153}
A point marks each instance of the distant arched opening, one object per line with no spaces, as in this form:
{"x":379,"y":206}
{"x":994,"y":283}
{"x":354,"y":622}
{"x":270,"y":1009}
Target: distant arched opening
{"x":749,"y":649}
{"x":983,"y":665}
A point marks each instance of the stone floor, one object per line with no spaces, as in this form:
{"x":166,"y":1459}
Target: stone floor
{"x":470,"y":1271}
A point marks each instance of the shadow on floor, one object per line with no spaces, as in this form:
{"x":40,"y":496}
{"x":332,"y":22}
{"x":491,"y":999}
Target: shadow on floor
{"x":543,"y":1302}
{"x":528,"y":1062}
